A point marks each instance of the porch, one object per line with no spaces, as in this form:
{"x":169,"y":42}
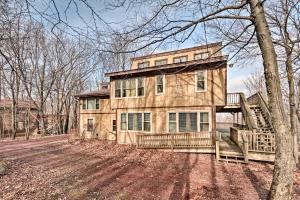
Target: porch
{"x":251,"y":138}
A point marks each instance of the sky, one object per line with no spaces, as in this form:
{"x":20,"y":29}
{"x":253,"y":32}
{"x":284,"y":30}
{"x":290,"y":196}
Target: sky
{"x":80,"y":16}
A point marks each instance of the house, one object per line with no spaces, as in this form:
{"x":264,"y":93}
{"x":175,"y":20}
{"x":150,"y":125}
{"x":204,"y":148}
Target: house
{"x":22,"y":109}
{"x":169,"y":100}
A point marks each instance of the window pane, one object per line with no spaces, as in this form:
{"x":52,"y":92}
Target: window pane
{"x":200,"y":85}
{"x":130,"y":121}
{"x":159,"y":84}
{"x":182,"y":122}
{"x":91,"y":104}
{"x":143,"y":64}
{"x":193,"y":122}
{"x":172,"y":117}
{"x":140,"y":86}
{"x":118,"y":89}
{"x":201,"y":80}
{"x":139,"y":121}
{"x":147,"y":126}
{"x":204,"y":117}
{"x":204,"y":127}
{"x":84,"y":104}
{"x":180,"y":59}
{"x":187,"y":122}
{"x":161,"y":62}
{"x":90,"y":125}
{"x":172,"y":127}
{"x":123,"y":121}
{"x":97,"y":104}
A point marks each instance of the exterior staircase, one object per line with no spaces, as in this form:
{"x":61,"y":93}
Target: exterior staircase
{"x":229,"y":152}
{"x":261,"y":120}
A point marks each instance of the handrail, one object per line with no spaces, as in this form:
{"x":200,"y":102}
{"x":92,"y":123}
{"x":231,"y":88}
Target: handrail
{"x":259,"y":99}
{"x":247,"y":112}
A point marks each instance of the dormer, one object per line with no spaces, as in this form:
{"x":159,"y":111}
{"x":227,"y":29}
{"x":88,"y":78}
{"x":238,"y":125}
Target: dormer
{"x":178,"y":56}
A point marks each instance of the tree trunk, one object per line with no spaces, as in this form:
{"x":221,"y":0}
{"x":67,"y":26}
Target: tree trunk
{"x":282,"y":183}
{"x":292,"y":101}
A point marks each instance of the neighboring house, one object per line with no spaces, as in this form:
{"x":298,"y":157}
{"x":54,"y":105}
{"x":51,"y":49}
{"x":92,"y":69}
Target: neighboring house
{"x":166,"y":100}
{"x":22,"y":109}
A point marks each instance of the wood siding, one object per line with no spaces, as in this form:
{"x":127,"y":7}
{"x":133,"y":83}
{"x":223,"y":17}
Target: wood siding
{"x":180,"y":90}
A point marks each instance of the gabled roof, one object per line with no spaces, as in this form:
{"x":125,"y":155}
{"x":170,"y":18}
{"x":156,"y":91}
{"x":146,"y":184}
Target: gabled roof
{"x":96,"y":93}
{"x":7,"y":103}
{"x":173,"y":66}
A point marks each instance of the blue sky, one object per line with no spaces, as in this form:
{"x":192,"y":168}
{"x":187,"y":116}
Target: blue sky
{"x":236,"y":75}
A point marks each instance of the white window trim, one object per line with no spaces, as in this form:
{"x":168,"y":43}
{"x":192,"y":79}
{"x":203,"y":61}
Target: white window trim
{"x":136,"y":87}
{"x":189,"y":111}
{"x":151,"y":124}
{"x":196,"y":81}
{"x":86,"y":104}
{"x":87,"y":121}
{"x":112,"y":124}
{"x":201,"y":53}
{"x":164,"y":84}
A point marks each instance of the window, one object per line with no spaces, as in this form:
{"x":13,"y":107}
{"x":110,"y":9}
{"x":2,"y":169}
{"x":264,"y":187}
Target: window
{"x":200,"y":56}
{"x":201,"y":80}
{"x":84,"y":104}
{"x":140,"y":86}
{"x":172,"y":123}
{"x":130,"y":87}
{"x":118,"y":88}
{"x":160,"y":84}
{"x":147,"y":122}
{"x":123,"y":121}
{"x":161,"y":62}
{"x":114,"y":125}
{"x":180,"y":59}
{"x":143,"y":65}
{"x":136,"y":121}
{"x":90,"y":103}
{"x":90,"y":125}
{"x":187,"y":122}
{"x":204,"y":121}
{"x":97,"y":104}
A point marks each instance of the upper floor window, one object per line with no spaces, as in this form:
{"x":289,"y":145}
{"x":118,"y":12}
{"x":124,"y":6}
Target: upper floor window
{"x":129,"y":88}
{"x":160,"y":82}
{"x":201,"y":80}
{"x":90,"y":104}
{"x":180,"y":59}
{"x":201,"y":56}
{"x":161,"y":62}
{"x":143,"y":64}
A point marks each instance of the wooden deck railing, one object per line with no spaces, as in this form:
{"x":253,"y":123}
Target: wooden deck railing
{"x":247,"y":113}
{"x":259,"y":99}
{"x":233,"y":98}
{"x":175,"y":140}
{"x":261,"y":142}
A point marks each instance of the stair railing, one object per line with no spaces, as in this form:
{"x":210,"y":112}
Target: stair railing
{"x":259,"y":99}
{"x":247,"y":113}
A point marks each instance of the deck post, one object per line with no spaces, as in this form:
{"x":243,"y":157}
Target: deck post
{"x":217,"y":147}
{"x":172,"y":141}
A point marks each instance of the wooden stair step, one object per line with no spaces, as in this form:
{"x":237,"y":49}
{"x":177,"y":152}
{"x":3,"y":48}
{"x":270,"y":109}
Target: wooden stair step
{"x":232,"y":160}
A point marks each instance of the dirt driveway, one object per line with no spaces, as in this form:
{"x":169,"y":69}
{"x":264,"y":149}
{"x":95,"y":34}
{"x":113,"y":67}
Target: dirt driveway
{"x":53,"y":168}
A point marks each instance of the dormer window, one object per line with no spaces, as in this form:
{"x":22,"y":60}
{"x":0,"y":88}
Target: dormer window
{"x":180,"y":59}
{"x":161,"y":62}
{"x":201,"y":56}
{"x":143,"y":64}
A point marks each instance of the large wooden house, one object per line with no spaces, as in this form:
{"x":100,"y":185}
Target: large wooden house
{"x":169,"y":100}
